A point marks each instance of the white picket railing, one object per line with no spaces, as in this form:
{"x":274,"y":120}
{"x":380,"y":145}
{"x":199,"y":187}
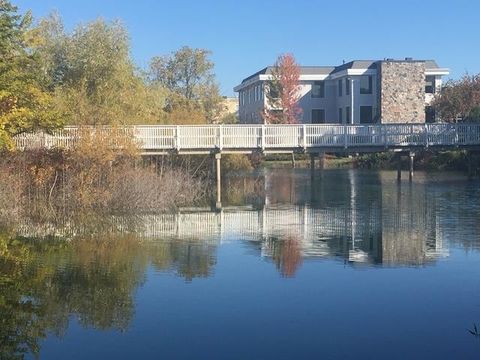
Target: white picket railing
{"x":268,"y":137}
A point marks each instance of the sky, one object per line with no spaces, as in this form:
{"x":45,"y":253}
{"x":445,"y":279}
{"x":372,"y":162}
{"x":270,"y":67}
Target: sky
{"x":247,"y":35}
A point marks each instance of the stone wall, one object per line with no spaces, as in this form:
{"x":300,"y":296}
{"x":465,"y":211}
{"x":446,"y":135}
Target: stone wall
{"x":402,"y":91}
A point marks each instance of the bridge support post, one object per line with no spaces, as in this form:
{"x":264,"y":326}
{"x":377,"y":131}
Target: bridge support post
{"x":410,"y":173}
{"x":321,"y":164}
{"x":218,"y":169}
{"x":312,"y":165}
{"x":399,"y":167}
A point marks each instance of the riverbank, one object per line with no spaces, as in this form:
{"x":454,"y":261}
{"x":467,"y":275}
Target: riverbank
{"x":457,"y":160}
{"x":94,"y":178}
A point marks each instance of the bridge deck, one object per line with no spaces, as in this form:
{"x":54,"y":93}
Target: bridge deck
{"x":205,"y":139}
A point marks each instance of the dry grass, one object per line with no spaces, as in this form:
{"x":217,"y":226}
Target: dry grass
{"x":93,"y":176}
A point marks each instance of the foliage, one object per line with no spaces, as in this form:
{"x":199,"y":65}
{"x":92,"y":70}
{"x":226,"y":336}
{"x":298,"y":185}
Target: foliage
{"x":457,"y":160}
{"x":95,"y":176}
{"x":187,"y":73}
{"x":180,"y":110}
{"x":460,"y":99}
{"x":376,"y":160}
{"x":12,"y":183}
{"x":230,"y":118}
{"x":87,"y":77}
{"x":282,"y":92}
{"x":92,"y":76}
{"x":236,"y":162}
{"x":90,"y":165}
{"x":25,"y":105}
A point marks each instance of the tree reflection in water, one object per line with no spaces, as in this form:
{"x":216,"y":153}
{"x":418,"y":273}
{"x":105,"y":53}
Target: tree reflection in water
{"x":286,"y":254}
{"x":43,"y":282}
{"x":92,"y":266}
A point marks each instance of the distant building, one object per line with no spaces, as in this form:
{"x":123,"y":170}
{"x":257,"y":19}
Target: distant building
{"x":357,"y":92}
{"x":228,"y":106}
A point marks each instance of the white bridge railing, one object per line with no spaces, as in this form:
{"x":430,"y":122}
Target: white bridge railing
{"x":208,"y":138}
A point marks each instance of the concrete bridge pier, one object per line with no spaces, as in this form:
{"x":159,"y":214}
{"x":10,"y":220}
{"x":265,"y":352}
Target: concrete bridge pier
{"x":411,"y":156}
{"x":218,"y":171}
{"x":321,"y":163}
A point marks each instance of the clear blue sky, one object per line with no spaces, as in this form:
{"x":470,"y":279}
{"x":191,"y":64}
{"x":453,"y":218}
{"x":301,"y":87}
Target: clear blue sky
{"x":246,"y":35}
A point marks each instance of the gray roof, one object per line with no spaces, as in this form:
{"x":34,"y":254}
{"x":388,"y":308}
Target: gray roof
{"x":431,"y":64}
{"x":310,"y":70}
{"x":355,"y":64}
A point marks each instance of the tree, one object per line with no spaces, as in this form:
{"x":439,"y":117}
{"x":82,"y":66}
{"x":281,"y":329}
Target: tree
{"x":459,"y":99}
{"x":92,"y":75}
{"x":25,"y":105}
{"x":282,"y":92}
{"x":188,"y":73}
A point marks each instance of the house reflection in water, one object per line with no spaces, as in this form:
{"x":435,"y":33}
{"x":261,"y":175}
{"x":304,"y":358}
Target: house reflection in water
{"x":360,"y":219}
{"x":363,"y":218}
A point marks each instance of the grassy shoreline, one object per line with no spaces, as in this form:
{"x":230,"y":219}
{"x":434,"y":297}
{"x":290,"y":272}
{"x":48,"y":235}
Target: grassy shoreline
{"x":456,"y":160}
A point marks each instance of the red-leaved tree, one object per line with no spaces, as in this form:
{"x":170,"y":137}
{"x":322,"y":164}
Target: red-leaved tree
{"x":282,"y":92}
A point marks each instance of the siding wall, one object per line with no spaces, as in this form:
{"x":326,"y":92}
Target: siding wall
{"x":398,"y":96}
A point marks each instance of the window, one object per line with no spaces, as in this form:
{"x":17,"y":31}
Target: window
{"x":348,"y":115}
{"x":366,"y":115}
{"x":429,"y":114}
{"x":347,"y":86}
{"x":318,"y":89}
{"x":430,"y":84}
{"x":340,"y":115}
{"x":340,"y":87}
{"x":366,"y":84}
{"x":318,"y":116}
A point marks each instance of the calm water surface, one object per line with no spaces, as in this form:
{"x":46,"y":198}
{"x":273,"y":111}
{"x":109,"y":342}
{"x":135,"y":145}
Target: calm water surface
{"x":350,"y":266}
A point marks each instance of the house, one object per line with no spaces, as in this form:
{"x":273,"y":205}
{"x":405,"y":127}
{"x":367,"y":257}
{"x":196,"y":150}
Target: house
{"x":357,"y":92}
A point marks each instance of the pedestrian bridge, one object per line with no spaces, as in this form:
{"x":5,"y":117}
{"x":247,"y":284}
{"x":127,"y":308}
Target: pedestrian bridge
{"x":208,"y":139}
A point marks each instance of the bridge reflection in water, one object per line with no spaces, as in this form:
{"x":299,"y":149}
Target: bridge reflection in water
{"x":348,"y":215}
{"x":285,"y":216}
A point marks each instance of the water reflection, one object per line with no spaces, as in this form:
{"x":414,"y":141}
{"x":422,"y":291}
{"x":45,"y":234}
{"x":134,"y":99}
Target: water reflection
{"x":91,"y":268}
{"x":361,"y":218}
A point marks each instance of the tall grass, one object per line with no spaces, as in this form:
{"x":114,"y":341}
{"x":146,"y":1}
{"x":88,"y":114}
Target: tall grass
{"x":93,"y":176}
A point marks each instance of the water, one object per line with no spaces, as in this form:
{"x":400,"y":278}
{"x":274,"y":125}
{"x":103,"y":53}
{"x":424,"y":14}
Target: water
{"x":351,"y":266}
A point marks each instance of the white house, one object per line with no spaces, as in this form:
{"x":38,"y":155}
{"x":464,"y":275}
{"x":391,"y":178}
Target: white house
{"x":357,"y":92}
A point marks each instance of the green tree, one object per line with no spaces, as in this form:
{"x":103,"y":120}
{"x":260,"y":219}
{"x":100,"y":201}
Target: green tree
{"x":188,"y":73}
{"x":25,"y":105}
{"x":93,"y":76}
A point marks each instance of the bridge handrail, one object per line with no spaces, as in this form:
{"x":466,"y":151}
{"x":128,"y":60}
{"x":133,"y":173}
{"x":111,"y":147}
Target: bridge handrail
{"x":263,"y":137}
